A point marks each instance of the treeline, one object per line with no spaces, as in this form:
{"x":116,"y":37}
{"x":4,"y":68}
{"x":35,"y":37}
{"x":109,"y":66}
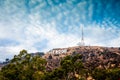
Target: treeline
{"x":24,"y":66}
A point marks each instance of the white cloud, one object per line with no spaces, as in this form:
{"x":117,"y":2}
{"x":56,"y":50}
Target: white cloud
{"x":36,"y":32}
{"x":29,"y":29}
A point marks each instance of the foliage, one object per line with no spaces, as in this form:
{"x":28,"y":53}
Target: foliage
{"x":24,"y":66}
{"x":110,"y":74}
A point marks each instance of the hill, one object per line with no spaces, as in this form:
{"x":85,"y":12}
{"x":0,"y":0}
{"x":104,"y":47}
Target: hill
{"x":92,"y":56}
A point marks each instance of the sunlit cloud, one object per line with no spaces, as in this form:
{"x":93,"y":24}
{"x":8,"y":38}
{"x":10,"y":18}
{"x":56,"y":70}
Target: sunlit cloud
{"x":39,"y":25}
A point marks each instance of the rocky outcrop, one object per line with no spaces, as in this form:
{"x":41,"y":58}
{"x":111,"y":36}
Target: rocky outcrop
{"x":93,"y":56}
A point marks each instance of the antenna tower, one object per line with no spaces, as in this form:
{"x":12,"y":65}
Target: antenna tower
{"x":82,"y":38}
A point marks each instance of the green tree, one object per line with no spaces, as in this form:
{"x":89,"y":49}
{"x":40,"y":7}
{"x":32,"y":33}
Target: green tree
{"x":72,"y":66}
{"x":24,"y":67}
{"x":113,"y":74}
{"x":57,"y":74}
{"x":99,"y":74}
{"x":109,"y":74}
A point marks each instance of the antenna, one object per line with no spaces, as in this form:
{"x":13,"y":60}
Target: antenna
{"x":82,"y":38}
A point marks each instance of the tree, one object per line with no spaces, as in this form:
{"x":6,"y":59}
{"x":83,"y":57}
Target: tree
{"x":57,"y":74}
{"x":109,"y":74}
{"x":113,"y":74}
{"x":72,"y":66}
{"x":99,"y":74}
{"x":24,"y":67}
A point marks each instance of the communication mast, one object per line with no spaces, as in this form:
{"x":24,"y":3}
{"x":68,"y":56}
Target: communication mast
{"x":82,"y":38}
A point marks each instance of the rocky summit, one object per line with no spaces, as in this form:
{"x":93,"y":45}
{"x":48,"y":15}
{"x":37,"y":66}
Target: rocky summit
{"x":92,"y":56}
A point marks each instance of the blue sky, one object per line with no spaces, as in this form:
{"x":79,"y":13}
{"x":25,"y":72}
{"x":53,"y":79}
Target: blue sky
{"x":40,"y":25}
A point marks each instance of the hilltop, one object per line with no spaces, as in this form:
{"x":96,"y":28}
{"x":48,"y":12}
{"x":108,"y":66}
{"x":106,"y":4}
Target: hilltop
{"x":73,"y":63}
{"x":92,"y":56}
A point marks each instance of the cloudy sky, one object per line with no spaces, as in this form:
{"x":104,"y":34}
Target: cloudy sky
{"x":40,"y":25}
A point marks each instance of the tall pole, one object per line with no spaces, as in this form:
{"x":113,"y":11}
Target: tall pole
{"x":82,"y":37}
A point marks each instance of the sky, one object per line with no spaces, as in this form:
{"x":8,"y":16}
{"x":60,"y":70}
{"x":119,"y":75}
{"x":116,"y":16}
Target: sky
{"x":41,"y":25}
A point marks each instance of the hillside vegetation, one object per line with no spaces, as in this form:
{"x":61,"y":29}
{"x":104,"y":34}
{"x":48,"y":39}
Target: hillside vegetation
{"x":24,"y":66}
